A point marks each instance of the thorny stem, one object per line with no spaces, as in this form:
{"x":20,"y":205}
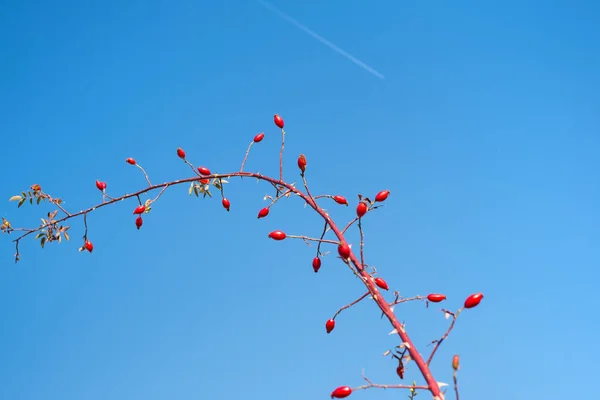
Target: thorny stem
{"x":439,"y":342}
{"x":309,"y":239}
{"x":352,"y":262}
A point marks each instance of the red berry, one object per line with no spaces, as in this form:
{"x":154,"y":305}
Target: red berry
{"x":340,"y":200}
{"x":455,"y":362}
{"x":205,"y":181}
{"x":341,"y":392}
{"x":302,"y":162}
{"x":263,"y":212}
{"x":473,"y":300}
{"x":130,"y":161}
{"x":259,"y":137}
{"x":101,"y":185}
{"x":226,"y":204}
{"x":329,"y":325}
{"x":89,"y":246}
{"x":381,"y":283}
{"x":436,"y":297}
{"x":278,"y":121}
{"x":344,"y":251}
{"x":361,"y":209}
{"x":204,"y":171}
{"x":316,"y":264}
{"x":140,"y":209}
{"x":277,"y":235}
{"x":400,"y":371}
{"x":381,"y":196}
{"x":138,"y":222}
{"x":180,"y":153}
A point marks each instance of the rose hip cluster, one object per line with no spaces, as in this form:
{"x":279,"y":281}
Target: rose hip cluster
{"x":344,"y":250}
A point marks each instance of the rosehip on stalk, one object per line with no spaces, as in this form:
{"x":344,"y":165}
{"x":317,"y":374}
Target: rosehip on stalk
{"x":180,"y":153}
{"x":205,"y":181}
{"x":344,"y":251}
{"x":302,"y":162}
{"x":340,"y":200}
{"x":381,"y":283}
{"x":341,"y":392}
{"x":88,"y":246}
{"x":278,"y":121}
{"x":381,"y":196}
{"x":316,"y":264}
{"x":329,"y":325}
{"x":455,"y":362}
{"x":436,"y":297}
{"x":259,"y":137}
{"x":263,"y":212}
{"x":473,"y":300}
{"x":101,"y":185}
{"x":138,"y":222}
{"x":400,"y":371}
{"x":361,"y":209}
{"x":204,"y":171}
{"x":277,"y":235}
{"x":226,"y":204}
{"x":130,"y":161}
{"x":140,"y":209}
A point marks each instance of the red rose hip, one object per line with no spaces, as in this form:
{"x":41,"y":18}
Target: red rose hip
{"x":473,"y":300}
{"x":302,"y":162}
{"x":101,"y":185}
{"x":88,"y":246}
{"x":140,"y":209}
{"x":226,"y":204}
{"x":329,"y":325}
{"x":381,"y":196}
{"x":130,"y":161}
{"x":277,"y":235}
{"x":263,"y":212}
{"x":361,"y":209}
{"x":381,"y":283}
{"x":340,"y":200}
{"x":436,"y":297}
{"x":341,"y":392}
{"x":259,"y":137}
{"x":204,"y":171}
{"x":180,"y":153}
{"x":344,"y":251}
{"x":316,"y":264}
{"x":278,"y":121}
{"x":138,"y":222}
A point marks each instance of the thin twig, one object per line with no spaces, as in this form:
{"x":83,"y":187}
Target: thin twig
{"x":439,"y":342}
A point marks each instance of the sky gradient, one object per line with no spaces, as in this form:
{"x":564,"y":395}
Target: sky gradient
{"x":485,"y":128}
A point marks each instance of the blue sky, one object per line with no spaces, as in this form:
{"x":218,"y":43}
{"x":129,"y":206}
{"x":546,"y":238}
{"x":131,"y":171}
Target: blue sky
{"x":485,"y":129}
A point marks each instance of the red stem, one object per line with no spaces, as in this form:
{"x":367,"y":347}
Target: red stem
{"x":359,"y":269}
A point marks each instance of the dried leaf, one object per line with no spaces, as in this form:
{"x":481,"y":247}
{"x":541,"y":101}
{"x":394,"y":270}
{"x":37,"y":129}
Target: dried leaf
{"x":66,"y":234}
{"x":15,"y":198}
{"x":39,"y":235}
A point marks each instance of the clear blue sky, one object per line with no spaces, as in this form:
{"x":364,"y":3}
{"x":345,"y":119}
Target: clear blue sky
{"x":486,"y":130}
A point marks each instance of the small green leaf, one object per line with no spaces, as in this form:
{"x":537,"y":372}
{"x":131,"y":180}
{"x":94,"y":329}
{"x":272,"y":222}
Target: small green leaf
{"x":39,"y":235}
{"x":21,"y":202}
{"x":39,"y":200}
{"x":31,"y":200}
{"x":43,"y":242}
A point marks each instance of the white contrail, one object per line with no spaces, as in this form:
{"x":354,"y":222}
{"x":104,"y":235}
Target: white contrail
{"x":321,"y":39}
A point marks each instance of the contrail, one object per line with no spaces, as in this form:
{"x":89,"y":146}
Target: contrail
{"x":321,"y":39}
